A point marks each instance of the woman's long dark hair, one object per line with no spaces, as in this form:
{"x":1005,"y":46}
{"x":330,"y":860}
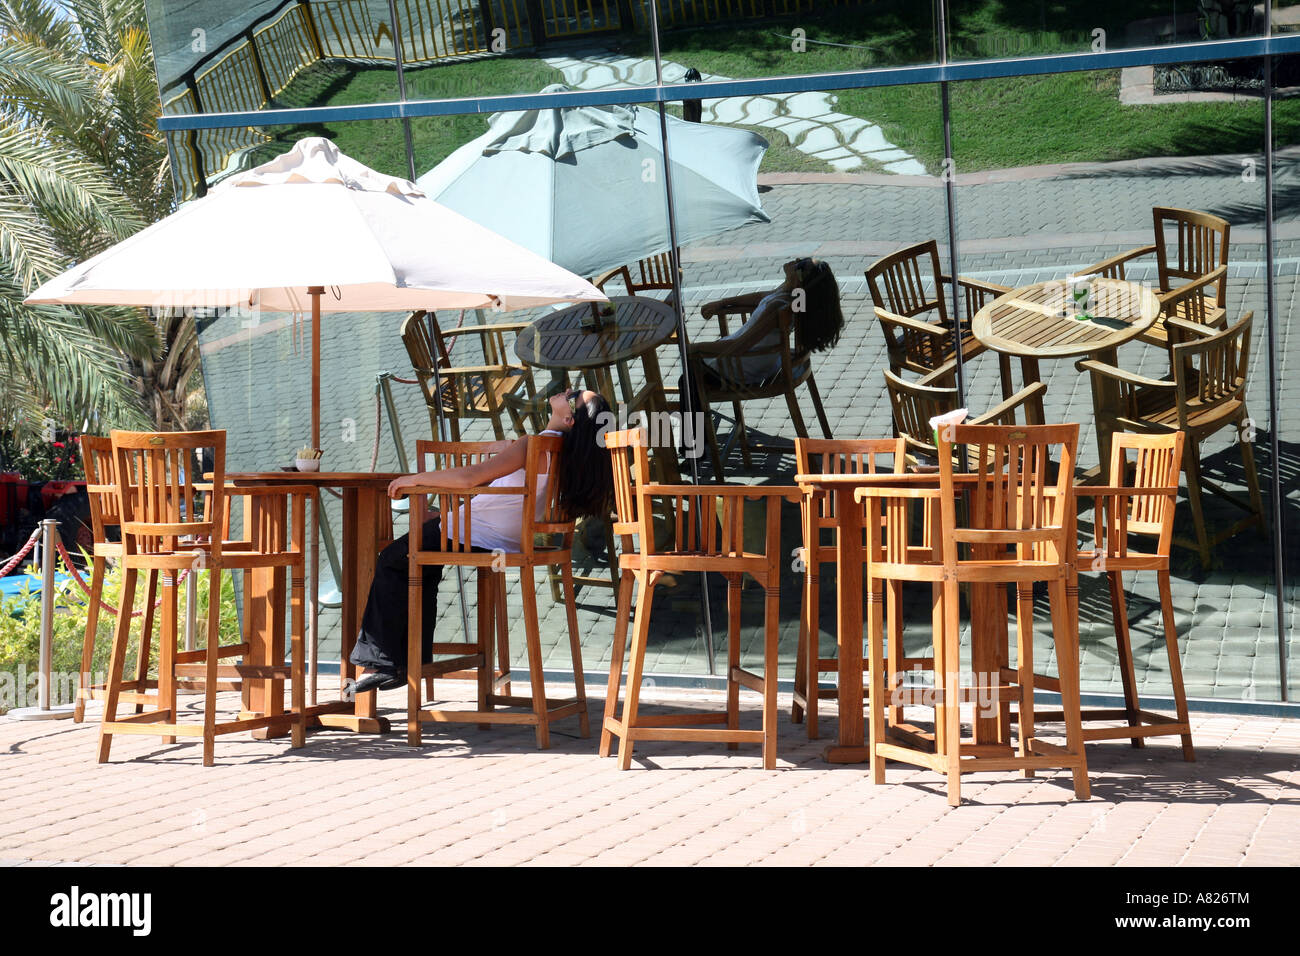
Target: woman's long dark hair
{"x":586,"y":474}
{"x":817,"y":326}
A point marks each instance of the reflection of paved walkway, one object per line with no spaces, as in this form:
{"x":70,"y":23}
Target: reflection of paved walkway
{"x":487,"y":796}
{"x":808,"y":120}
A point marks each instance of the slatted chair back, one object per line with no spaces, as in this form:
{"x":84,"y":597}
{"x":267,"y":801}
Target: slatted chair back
{"x":913,"y":405}
{"x":864,"y":456}
{"x":455,"y":527}
{"x":1200,"y":245}
{"x":159,"y":504}
{"x":537,"y":491}
{"x":1211,"y":372}
{"x":1021,"y":503}
{"x":900,"y":280}
{"x":1156,"y":463}
{"x":101,"y":484}
{"x":653,"y":273}
{"x":626,"y":464}
{"x":427,"y":351}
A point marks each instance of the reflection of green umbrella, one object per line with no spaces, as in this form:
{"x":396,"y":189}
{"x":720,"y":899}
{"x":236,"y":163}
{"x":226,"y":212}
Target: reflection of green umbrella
{"x":584,"y":187}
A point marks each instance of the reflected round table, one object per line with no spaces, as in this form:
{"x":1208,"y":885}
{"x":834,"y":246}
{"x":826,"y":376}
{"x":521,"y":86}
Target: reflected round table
{"x":1039,"y":321}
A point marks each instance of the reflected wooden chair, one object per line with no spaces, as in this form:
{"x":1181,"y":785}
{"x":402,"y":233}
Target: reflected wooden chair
{"x":1204,"y":393}
{"x":492,"y":391}
{"x":727,"y":357}
{"x":1192,"y":271}
{"x":710,"y":536}
{"x":913,"y":404}
{"x":540,"y":516}
{"x":1019,"y":529}
{"x":101,"y":492}
{"x":911,"y":304}
{"x":819,"y":456}
{"x":165,"y":530}
{"x":1143,"y":506}
{"x":651,"y":274}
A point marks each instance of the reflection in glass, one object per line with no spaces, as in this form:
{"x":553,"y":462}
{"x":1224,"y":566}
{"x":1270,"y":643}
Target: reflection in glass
{"x":1080,"y":200}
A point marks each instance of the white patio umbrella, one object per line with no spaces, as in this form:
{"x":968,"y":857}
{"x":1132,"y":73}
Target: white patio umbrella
{"x":583,"y":186}
{"x":278,"y":236}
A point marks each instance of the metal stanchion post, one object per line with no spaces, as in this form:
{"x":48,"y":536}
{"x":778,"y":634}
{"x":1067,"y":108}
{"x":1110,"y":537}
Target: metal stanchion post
{"x":191,"y":607}
{"x":43,"y":710}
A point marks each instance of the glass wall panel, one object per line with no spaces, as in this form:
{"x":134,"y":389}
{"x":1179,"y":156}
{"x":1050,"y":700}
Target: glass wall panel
{"x":1286,"y":282}
{"x":847,"y":206}
{"x":979,"y":30}
{"x":1045,"y":192}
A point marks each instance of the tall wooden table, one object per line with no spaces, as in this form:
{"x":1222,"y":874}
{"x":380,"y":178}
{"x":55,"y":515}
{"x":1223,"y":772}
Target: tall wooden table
{"x":1040,"y":321}
{"x":367,"y":528}
{"x":988,"y":609}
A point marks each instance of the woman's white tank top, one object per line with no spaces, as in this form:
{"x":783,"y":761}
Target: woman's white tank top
{"x":498,"y":518}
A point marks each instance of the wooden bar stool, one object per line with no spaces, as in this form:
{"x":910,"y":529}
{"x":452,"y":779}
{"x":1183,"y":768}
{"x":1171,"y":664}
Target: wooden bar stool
{"x":170,"y":523}
{"x":1019,"y":530}
{"x":1143,"y":505}
{"x":710,"y":536}
{"x":540,"y":516}
{"x":101,"y":491}
{"x":817,"y":509}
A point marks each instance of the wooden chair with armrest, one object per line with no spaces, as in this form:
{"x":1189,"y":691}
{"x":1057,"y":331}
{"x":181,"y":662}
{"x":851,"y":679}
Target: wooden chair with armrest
{"x":1138,"y":506}
{"x":727,"y":359}
{"x":911,"y":304}
{"x":709,"y":536}
{"x":101,"y":492}
{"x":1192,"y":272}
{"x":164,"y":529}
{"x":489,"y":391}
{"x":820,"y":456}
{"x":539,"y":518}
{"x":1018,"y":528}
{"x":1204,"y":393}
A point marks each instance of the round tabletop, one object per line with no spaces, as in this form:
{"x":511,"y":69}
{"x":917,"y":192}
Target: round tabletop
{"x":1038,"y":321}
{"x":322,"y":479}
{"x":558,"y":340}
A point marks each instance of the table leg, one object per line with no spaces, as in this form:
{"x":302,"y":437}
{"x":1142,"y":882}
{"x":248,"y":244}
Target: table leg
{"x":1029,"y":373}
{"x":362,"y":527}
{"x":851,"y":746}
{"x":264,"y":608}
{"x":988,"y":616}
{"x":1105,"y":399}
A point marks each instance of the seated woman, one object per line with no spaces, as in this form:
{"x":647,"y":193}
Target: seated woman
{"x":586,"y":488}
{"x":809,"y":291}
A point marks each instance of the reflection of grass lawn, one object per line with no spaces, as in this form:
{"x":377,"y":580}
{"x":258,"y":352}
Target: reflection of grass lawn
{"x":997,"y":123}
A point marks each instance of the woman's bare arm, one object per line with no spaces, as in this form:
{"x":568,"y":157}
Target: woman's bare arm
{"x":470,"y":476}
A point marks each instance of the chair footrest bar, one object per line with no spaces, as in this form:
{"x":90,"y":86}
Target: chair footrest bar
{"x":719,"y":735}
{"x":155,"y":729}
{"x":442,"y":668}
{"x":149,"y":716}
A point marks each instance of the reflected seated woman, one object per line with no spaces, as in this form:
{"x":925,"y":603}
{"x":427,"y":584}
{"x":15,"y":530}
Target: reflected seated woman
{"x":586,"y":489}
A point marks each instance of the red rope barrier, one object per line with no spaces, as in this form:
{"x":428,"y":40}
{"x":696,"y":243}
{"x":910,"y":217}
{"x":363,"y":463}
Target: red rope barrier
{"x":26,"y":550}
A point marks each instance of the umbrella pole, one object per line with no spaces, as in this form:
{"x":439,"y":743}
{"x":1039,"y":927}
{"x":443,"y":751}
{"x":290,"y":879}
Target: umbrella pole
{"x":313,"y":637}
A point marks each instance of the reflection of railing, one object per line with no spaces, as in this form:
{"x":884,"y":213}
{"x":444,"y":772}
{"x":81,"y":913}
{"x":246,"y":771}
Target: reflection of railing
{"x":250,"y":69}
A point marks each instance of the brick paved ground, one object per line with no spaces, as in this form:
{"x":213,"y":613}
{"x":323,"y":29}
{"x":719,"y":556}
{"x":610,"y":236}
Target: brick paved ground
{"x":488,"y":797}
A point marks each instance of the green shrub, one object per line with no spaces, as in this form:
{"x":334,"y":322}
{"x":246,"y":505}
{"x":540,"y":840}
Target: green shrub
{"x":20,"y":634}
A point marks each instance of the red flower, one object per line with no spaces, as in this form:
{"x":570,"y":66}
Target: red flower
{"x":58,"y":444}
